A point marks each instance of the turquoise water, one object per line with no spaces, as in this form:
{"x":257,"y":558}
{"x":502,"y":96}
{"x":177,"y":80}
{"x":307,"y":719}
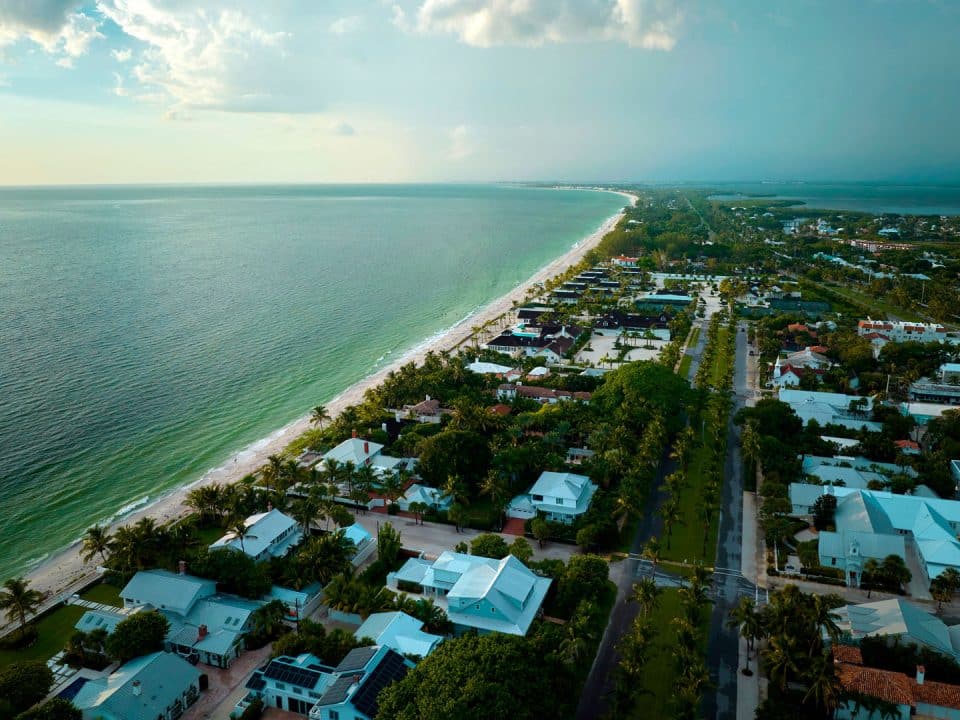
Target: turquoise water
{"x":865,"y":197}
{"x":149,"y":333}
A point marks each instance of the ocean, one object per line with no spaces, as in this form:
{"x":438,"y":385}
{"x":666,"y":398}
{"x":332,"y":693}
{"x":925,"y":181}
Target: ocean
{"x":147,"y":334}
{"x":865,"y":197}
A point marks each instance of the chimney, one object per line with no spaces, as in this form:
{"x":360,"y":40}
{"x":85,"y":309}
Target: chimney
{"x":269,"y":505}
{"x":429,"y":398}
{"x":366,"y":448}
{"x":383,"y":426}
{"x":353,"y":434}
{"x":182,"y":567}
{"x":136,"y":688}
{"x":201,"y":632}
{"x":921,"y":672}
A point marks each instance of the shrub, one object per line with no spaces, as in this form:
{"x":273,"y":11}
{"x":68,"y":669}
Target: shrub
{"x":490,"y":546}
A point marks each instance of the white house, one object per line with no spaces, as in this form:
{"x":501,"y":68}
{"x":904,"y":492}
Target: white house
{"x":399,"y":631}
{"x":488,"y":368}
{"x":204,"y":626}
{"x":897,"y":618}
{"x":477,"y":592}
{"x":160,"y":686}
{"x":269,"y":535}
{"x":902,"y":331}
{"x":359,"y":678}
{"x":431,"y":497}
{"x":950,"y":373}
{"x":875,"y":523}
{"x":830,"y":408}
{"x":561,"y":496}
{"x":362,"y":453}
{"x":363,"y":543}
{"x":289,"y":683}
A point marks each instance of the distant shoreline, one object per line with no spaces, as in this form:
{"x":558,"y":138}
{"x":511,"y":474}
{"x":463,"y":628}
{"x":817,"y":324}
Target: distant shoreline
{"x":64,"y":572}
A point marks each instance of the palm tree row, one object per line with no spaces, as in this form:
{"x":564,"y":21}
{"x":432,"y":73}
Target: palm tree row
{"x":794,"y":656}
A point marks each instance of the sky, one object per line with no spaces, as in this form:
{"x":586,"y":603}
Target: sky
{"x":141,"y":91}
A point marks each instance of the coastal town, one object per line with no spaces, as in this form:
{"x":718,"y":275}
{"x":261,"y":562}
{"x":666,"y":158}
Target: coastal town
{"x":706,"y":467}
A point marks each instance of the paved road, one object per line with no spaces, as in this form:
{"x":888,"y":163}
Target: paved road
{"x":593,"y":697}
{"x":722,"y":647}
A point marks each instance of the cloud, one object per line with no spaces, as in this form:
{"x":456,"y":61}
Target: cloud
{"x":461,"y":145}
{"x":122,"y":55}
{"x":343,"y":129}
{"x":200,"y":59}
{"x":51,"y":24}
{"x":344,"y":25}
{"x":649,"y":24}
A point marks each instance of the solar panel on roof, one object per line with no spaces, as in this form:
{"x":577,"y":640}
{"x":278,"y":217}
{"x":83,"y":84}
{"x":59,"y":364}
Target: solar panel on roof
{"x":390,"y":669}
{"x":301,"y":677}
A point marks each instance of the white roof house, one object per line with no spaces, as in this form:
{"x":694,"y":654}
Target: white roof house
{"x":203,"y":624}
{"x":431,"y":497}
{"x":360,"y":452}
{"x":853,"y":472}
{"x":562,"y":497}
{"x":477,"y":592}
{"x":399,"y":631}
{"x":487,"y":368}
{"x":153,"y":687}
{"x":829,"y":408}
{"x":899,"y":618}
{"x":269,"y":534}
{"x":879,"y":521}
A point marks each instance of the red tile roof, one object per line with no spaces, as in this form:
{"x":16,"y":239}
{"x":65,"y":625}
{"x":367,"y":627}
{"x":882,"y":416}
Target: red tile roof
{"x":907,"y":445}
{"x":847,"y":654}
{"x":888,"y":685}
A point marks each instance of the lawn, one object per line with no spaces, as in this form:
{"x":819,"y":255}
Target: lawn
{"x":208,"y":536}
{"x":684,"y":369}
{"x":103,"y":593}
{"x":54,"y":630}
{"x":686,"y":544}
{"x":658,"y":672}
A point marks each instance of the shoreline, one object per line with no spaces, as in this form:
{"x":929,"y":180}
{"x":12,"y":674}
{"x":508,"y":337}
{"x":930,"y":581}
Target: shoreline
{"x":64,"y":572}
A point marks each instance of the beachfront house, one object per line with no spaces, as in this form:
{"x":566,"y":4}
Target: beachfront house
{"x":204,"y":626}
{"x":361,"y":453}
{"x":269,"y":535}
{"x":399,"y":631}
{"x":160,"y":686}
{"x":559,"y":496}
{"x":507,"y":392}
{"x":477,"y":593}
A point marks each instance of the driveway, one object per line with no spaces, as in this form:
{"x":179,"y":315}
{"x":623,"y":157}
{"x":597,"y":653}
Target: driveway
{"x":226,"y":686}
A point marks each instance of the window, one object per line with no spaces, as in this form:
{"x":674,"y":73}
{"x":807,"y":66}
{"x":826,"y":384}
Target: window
{"x":281,"y":686}
{"x":334,"y":715}
{"x":833,"y":561}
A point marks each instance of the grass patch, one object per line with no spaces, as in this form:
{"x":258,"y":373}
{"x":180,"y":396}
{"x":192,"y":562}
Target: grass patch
{"x":686,"y":543}
{"x":54,"y":629}
{"x":659,"y":675}
{"x":208,"y":536}
{"x":694,"y":336}
{"x":685,"y":362}
{"x":103,"y":593}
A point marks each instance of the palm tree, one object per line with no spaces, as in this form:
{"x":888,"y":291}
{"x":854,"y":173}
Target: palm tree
{"x":495,"y":485}
{"x":207,"y":501}
{"x":319,"y":415}
{"x":455,"y":489}
{"x":392,"y":485}
{"x":96,"y":541}
{"x":18,"y":599}
{"x":651,"y":552}
{"x":825,"y":689}
{"x":747,"y":620}
{"x":419,"y":509}
{"x":750,"y":443}
{"x":870,"y":573}
{"x":238,"y":526}
{"x":779,"y":658}
{"x":305,"y":510}
{"x":670,"y":512}
{"x":646,"y":594}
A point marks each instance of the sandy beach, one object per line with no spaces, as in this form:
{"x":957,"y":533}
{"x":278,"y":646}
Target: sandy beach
{"x":66,"y":572}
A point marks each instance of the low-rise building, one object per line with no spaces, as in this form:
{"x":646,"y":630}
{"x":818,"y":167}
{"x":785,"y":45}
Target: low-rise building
{"x":477,"y":593}
{"x":160,"y":686}
{"x":362,"y":453}
{"x":559,"y":496}
{"x":510,"y":391}
{"x":876,"y":523}
{"x":849,"y":411}
{"x":897,"y":618}
{"x":204,"y":626}
{"x":431,"y":497}
{"x":903,"y":331}
{"x":398,"y":631}
{"x":425,"y":411}
{"x":269,"y":535}
{"x":359,"y":678}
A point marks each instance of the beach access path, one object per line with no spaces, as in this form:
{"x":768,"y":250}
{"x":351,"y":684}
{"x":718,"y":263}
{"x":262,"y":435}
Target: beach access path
{"x":66,"y":573}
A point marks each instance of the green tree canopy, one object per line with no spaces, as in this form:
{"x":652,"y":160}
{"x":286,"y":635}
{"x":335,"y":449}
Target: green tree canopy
{"x":632,"y":394}
{"x":476,"y":678}
{"x":489,"y":545}
{"x":454,"y":452}
{"x":54,"y":709}
{"x":138,"y":635}
{"x":24,"y":684}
